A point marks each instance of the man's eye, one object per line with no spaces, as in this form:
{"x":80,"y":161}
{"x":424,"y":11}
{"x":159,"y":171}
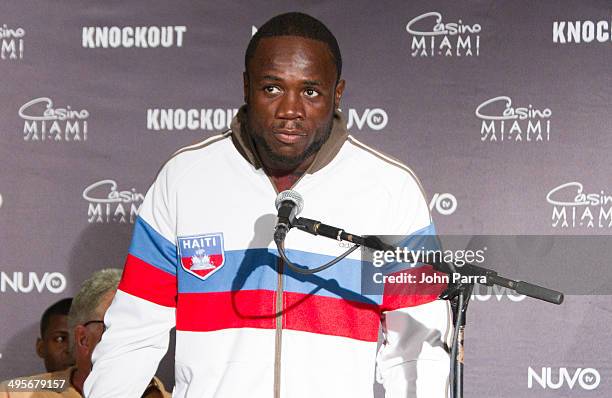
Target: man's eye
{"x":311,"y":92}
{"x":60,"y":339}
{"x":272,"y":90}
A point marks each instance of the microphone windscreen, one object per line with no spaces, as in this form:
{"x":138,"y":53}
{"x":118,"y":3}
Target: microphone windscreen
{"x":292,"y":196}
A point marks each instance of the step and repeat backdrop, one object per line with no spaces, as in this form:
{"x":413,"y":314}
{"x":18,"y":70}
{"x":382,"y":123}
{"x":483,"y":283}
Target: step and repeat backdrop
{"x":502,"y":108}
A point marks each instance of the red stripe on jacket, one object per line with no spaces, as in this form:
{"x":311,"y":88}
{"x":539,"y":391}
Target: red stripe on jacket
{"x":201,"y":312}
{"x":143,"y":280}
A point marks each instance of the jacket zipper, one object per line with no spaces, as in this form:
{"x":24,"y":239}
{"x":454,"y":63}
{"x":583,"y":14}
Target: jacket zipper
{"x":278,"y":337}
{"x":279,"y":329}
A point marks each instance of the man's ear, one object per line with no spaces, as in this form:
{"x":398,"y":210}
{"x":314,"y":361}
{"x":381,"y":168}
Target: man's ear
{"x":81,"y":339}
{"x":338,"y":94}
{"x":245,"y":86}
{"x":40,"y":347}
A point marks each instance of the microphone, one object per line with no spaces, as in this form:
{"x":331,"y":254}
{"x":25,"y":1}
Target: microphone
{"x":315,"y":227}
{"x":289,"y":204}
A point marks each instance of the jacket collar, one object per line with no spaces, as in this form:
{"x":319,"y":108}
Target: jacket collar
{"x":245,"y":146}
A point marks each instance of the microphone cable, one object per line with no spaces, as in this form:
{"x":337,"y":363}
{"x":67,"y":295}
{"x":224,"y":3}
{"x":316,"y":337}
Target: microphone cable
{"x":309,"y":271}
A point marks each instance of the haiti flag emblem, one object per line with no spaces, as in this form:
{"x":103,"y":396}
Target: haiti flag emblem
{"x":201,"y":255}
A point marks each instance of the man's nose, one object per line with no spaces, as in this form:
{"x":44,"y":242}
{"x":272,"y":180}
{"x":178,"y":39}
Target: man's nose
{"x":290,"y":106}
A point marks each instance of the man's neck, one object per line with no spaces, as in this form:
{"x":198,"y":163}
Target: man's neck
{"x":77,"y":379}
{"x":284,"y":180}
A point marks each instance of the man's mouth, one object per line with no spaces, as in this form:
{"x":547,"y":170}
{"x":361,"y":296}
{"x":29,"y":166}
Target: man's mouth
{"x":289,"y":136}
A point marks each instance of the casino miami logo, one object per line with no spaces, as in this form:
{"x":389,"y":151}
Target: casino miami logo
{"x":432,"y":36}
{"x":572,"y":207}
{"x":44,"y":122}
{"x":11,"y":42}
{"x":107,"y":204}
{"x":502,"y":121}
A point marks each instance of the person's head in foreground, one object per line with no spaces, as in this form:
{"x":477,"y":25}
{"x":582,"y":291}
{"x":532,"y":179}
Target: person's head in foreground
{"x":86,"y":323}
{"x":52,"y":345}
{"x":86,"y":319}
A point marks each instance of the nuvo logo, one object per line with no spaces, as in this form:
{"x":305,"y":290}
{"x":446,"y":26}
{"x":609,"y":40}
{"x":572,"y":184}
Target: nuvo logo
{"x":444,"y":203}
{"x":375,"y":119}
{"x":503,"y":122}
{"x":563,"y":378}
{"x":495,"y":293}
{"x":432,"y":36}
{"x":26,"y":282}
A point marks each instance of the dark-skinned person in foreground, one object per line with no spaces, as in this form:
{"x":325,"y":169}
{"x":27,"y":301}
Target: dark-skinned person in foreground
{"x":52,"y":345}
{"x":202,"y":257}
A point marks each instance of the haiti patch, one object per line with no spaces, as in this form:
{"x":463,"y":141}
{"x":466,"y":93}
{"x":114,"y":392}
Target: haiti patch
{"x":201,"y":255}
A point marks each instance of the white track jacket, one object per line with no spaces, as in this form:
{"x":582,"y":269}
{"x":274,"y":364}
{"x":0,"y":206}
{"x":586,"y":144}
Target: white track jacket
{"x":202,"y":259}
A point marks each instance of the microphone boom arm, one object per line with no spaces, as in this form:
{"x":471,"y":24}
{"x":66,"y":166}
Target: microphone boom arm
{"x":521,"y":287}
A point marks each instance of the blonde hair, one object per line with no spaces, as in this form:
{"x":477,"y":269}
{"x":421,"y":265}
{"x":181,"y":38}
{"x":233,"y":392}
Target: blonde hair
{"x":87,"y":300}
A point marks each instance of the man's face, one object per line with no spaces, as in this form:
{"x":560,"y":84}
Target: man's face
{"x":291,"y":92}
{"x":87,"y":337}
{"x":52,"y":347}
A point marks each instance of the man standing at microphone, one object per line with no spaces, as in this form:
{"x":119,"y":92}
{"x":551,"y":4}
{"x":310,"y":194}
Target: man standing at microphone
{"x":202,"y":257}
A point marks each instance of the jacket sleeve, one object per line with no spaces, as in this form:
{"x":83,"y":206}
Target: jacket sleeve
{"x":143,"y":310}
{"x":413,"y":360}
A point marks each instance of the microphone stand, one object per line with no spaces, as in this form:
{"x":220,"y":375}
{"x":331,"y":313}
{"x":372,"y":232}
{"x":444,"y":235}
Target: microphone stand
{"x":458,"y":294}
{"x":459,"y":304}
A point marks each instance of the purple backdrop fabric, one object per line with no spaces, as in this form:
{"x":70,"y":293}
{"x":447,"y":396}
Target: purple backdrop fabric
{"x":500,"y":107}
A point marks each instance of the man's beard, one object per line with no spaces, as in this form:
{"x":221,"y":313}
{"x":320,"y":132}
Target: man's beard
{"x":291,"y":162}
